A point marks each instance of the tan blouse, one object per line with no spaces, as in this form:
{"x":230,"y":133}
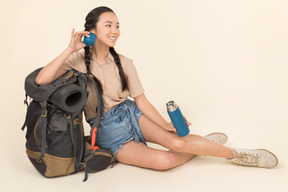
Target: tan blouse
{"x":108,"y":75}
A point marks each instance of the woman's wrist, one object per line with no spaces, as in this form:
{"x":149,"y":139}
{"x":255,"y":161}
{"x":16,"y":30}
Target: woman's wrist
{"x":69,"y":50}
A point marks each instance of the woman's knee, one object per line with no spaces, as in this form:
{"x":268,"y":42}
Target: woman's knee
{"x":165,"y":161}
{"x":178,"y":144}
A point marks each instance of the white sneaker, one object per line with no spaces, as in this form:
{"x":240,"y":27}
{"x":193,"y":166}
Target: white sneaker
{"x":255,"y":157}
{"x":216,"y":137}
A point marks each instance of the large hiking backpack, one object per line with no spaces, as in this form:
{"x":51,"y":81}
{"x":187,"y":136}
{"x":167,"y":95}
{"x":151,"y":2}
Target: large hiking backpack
{"x":55,"y":141}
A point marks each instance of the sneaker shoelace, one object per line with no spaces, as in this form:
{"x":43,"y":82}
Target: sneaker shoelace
{"x":246,"y":158}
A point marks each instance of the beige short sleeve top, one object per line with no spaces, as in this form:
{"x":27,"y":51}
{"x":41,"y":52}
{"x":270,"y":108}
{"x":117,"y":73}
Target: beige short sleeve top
{"x":108,"y":75}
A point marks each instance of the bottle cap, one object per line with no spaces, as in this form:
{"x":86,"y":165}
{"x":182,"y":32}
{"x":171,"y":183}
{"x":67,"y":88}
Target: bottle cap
{"x":171,"y":106}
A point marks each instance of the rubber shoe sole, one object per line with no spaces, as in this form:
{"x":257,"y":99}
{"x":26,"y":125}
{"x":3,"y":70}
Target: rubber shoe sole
{"x":255,"y":157}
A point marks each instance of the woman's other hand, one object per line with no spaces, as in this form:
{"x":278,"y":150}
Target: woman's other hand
{"x":187,"y":122}
{"x":171,"y":128}
{"x":76,"y":40}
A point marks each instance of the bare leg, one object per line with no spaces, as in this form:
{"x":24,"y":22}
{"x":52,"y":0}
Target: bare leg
{"x":183,"y":149}
{"x":192,"y":144}
{"x":143,"y":156}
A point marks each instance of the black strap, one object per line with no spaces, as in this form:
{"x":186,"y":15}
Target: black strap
{"x":25,"y":103}
{"x":68,"y":116}
{"x":86,"y":174}
{"x":24,"y":125}
{"x":58,"y":137}
{"x":99,"y":109}
{"x":80,"y":143}
{"x":52,"y":109}
{"x":82,"y":78}
{"x":43,"y":134}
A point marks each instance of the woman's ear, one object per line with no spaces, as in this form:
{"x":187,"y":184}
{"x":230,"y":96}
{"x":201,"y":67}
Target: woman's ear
{"x":93,"y":31}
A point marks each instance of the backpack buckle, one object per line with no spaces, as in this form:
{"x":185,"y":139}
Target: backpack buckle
{"x":44,"y":113}
{"x":67,"y":115}
{"x":76,"y":121}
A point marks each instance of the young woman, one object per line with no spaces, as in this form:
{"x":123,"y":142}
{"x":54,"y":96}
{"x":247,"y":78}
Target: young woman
{"x":127,"y":125}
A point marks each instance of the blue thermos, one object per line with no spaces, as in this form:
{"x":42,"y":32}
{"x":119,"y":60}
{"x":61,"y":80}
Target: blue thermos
{"x":177,"y":119}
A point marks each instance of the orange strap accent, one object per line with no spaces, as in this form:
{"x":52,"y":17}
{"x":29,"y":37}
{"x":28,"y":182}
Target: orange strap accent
{"x":93,"y":140}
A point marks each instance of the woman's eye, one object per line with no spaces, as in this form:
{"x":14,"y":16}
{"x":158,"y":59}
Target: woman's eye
{"x":111,"y":26}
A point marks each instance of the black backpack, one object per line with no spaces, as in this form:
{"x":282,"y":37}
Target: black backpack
{"x":55,"y":140}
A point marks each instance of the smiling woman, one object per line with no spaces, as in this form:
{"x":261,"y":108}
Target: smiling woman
{"x":127,"y":125}
{"x":103,"y":22}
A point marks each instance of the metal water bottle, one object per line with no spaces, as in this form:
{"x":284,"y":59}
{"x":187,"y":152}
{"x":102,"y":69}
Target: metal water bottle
{"x":177,"y":119}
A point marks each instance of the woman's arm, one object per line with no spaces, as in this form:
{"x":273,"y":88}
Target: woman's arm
{"x":53,"y":69}
{"x":149,"y":110}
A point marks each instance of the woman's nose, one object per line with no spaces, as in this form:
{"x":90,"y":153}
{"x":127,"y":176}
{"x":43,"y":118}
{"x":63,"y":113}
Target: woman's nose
{"x":114,"y":30}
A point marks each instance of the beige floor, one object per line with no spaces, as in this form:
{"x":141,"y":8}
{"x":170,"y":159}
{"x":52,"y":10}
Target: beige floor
{"x":200,"y":174}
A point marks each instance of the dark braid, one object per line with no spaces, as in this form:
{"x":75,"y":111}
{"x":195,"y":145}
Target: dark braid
{"x":121,"y":72}
{"x":88,"y":55}
{"x":91,"y":20}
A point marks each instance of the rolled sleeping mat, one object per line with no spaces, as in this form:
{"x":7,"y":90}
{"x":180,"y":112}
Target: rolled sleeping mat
{"x":69,"y":98}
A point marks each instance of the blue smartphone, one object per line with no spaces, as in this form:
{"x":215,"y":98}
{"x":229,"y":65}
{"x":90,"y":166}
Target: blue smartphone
{"x":90,"y":41}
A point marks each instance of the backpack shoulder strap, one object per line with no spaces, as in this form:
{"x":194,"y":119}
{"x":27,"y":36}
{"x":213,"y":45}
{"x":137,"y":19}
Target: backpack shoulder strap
{"x":99,"y":109}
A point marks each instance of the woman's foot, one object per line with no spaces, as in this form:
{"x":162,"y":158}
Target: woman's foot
{"x":216,"y":137}
{"x":255,"y":157}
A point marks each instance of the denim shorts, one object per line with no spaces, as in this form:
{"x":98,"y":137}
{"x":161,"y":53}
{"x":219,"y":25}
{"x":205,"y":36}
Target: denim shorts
{"x":119,"y":126}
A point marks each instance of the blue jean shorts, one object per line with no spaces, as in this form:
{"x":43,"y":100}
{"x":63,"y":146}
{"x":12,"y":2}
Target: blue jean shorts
{"x":119,"y":126}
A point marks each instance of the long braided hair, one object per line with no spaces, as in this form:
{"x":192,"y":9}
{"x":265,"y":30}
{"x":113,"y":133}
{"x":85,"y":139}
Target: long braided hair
{"x":91,"y":20}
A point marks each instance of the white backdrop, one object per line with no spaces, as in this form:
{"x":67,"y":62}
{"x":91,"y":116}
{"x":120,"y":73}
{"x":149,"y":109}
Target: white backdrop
{"x":223,"y":62}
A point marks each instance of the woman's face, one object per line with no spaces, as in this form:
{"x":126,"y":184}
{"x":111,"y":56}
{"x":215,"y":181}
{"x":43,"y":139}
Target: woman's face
{"x":107,"y":29}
